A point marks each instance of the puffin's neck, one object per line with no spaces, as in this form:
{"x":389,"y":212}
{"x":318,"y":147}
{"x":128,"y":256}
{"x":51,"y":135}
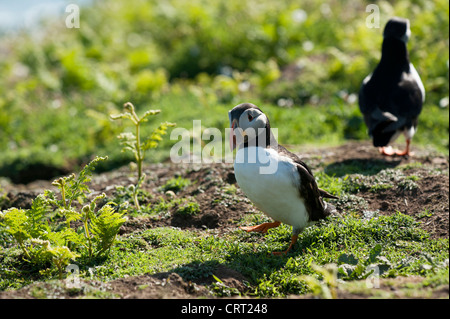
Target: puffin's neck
{"x":264,"y":139}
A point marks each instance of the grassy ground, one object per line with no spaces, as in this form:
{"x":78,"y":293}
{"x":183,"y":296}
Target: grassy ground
{"x":188,"y":228}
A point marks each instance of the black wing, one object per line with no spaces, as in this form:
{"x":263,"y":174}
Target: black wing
{"x":406,"y":99}
{"x":388,"y":107}
{"x":372,"y":99}
{"x":309,"y":190}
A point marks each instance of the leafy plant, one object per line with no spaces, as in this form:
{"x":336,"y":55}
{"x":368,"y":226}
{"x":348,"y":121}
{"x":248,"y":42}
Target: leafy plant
{"x":353,"y":268}
{"x":191,"y":208}
{"x":130,"y":192}
{"x":104,"y":226}
{"x":18,"y":225}
{"x":424,"y":213}
{"x":176,"y":184}
{"x":132,"y":142}
{"x":325,"y":288}
{"x":222,"y":290}
{"x":61,"y":256}
{"x":43,"y":240}
{"x":72,"y":188}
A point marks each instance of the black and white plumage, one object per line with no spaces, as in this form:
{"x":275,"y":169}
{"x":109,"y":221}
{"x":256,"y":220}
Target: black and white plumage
{"x":391,"y":97}
{"x":274,"y":179}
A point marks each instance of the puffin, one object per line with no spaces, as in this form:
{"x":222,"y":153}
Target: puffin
{"x":391,"y":97}
{"x":277,"y":181}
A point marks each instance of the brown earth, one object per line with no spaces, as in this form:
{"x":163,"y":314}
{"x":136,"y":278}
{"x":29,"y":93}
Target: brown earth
{"x":220,"y":210}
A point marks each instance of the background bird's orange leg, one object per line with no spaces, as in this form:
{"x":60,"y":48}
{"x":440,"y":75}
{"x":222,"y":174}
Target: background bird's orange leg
{"x":406,"y":151}
{"x":293,"y":241}
{"x":386,"y":150}
{"x":263,"y":228}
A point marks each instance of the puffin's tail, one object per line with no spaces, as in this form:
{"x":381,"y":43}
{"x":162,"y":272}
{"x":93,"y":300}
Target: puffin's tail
{"x":325,"y":194}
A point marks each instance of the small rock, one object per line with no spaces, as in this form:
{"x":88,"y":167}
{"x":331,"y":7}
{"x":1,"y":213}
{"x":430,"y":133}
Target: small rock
{"x":170,"y":194}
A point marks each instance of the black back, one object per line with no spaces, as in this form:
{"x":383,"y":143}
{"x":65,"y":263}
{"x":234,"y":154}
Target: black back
{"x":309,"y":190}
{"x":391,"y":100}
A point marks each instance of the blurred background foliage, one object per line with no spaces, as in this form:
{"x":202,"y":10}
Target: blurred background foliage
{"x":301,"y":61}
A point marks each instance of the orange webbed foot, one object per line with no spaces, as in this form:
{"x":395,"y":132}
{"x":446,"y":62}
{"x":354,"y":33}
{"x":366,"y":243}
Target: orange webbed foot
{"x":405,"y":152}
{"x":387,"y":150}
{"x":263,"y":228}
{"x":293,"y":241}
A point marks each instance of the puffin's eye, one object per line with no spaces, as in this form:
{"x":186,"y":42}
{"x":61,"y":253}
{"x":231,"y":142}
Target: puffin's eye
{"x":250,"y":117}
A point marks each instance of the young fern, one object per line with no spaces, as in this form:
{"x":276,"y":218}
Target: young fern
{"x":16,"y":222}
{"x":105,"y":226}
{"x":100,"y":228}
{"x":132,"y":142}
{"x":43,"y":243}
{"x":75,"y":187}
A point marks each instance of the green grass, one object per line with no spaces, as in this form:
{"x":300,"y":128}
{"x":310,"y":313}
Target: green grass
{"x":176,"y":184}
{"x":56,"y":97}
{"x":189,"y":208}
{"x":194,"y":255}
{"x":407,"y":249}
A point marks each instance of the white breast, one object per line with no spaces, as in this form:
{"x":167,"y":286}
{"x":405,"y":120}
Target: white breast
{"x":271,"y":182}
{"x":416,"y":77}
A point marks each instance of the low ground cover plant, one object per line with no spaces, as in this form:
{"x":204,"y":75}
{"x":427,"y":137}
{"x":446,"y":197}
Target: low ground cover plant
{"x":59,"y":229}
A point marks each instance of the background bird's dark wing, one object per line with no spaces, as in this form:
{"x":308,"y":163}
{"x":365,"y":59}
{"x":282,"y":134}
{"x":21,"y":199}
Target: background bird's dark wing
{"x":368,"y":103}
{"x":364,"y":105}
{"x":406,"y":99}
{"x":405,"y":104}
{"x":374,"y":103}
{"x":389,"y":106}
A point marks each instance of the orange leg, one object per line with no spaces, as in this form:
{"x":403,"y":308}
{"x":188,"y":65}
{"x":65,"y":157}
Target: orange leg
{"x":263,"y":228}
{"x":293,"y":241}
{"x":407,"y":151}
{"x":388,"y":151}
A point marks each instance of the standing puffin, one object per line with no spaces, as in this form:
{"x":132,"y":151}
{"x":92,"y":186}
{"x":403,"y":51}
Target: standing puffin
{"x":274,"y":179}
{"x":391,"y":97}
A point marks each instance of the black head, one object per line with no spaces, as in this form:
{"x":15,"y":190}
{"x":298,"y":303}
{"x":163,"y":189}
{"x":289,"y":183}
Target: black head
{"x":397,"y":28}
{"x":248,"y":125}
{"x":238,"y":110}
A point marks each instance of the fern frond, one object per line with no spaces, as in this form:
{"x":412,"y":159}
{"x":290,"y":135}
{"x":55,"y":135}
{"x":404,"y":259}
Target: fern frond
{"x":78,"y":186}
{"x":156,"y":135}
{"x":105,"y":227}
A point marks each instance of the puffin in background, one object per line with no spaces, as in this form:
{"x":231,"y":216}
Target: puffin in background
{"x":274,"y":179}
{"x":391,"y":97}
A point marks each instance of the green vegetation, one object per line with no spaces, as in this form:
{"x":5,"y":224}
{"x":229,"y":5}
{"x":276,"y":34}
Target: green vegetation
{"x":176,"y":184}
{"x":132,"y":142}
{"x":190,"y":208}
{"x":346,"y":252}
{"x":303,"y":64}
{"x":44,"y":232}
{"x":394,"y":244}
{"x":194,"y":60}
